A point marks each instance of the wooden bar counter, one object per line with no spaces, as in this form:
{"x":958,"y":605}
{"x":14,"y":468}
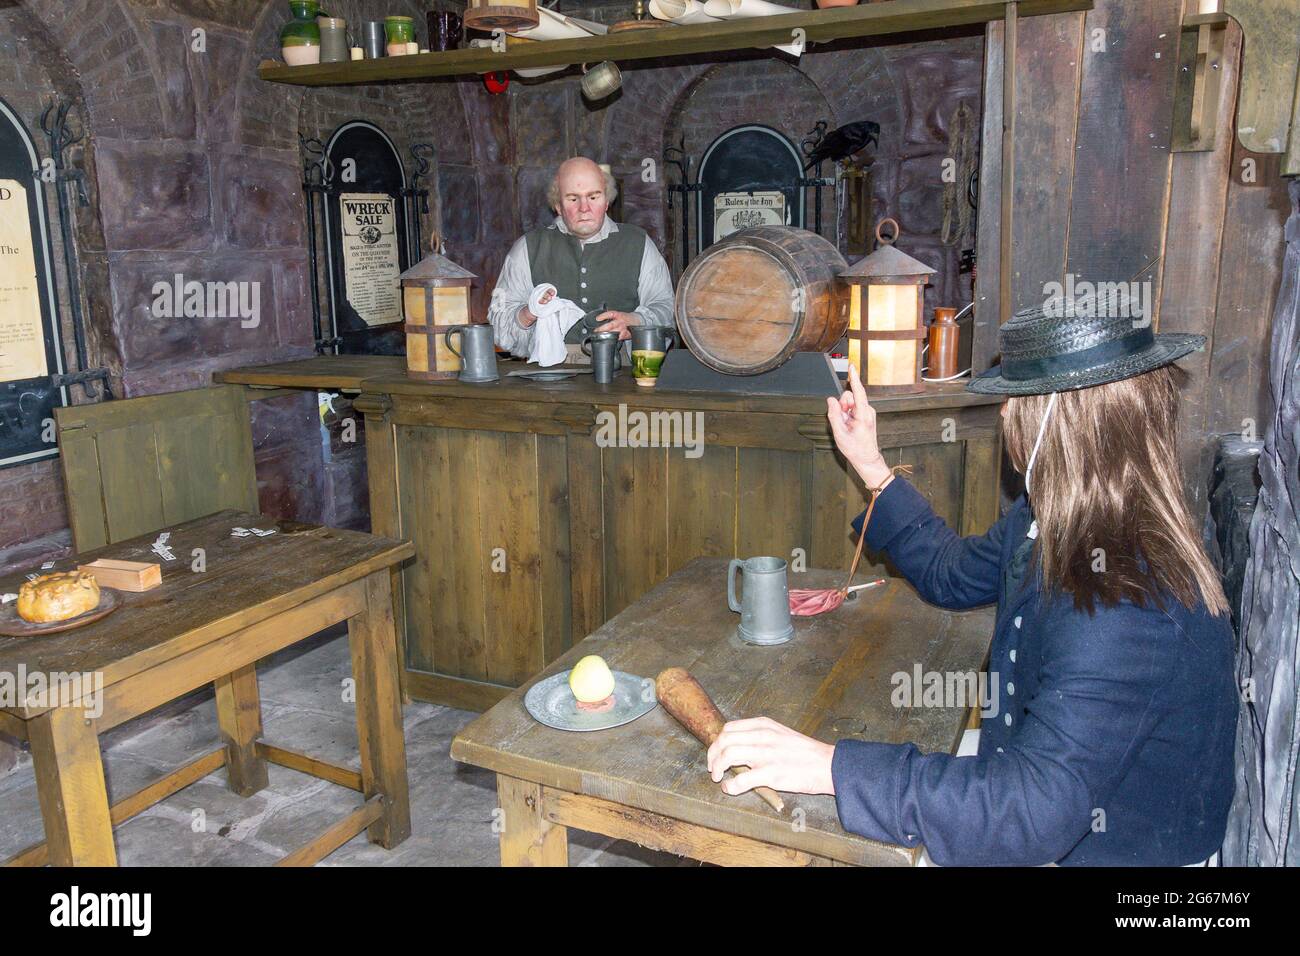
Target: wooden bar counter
{"x":531,"y":529}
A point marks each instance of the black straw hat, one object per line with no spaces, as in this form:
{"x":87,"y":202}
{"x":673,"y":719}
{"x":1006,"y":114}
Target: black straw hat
{"x":1069,"y":343}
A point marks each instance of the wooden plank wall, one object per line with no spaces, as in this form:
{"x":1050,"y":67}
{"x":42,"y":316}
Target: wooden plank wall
{"x":1098,"y":193}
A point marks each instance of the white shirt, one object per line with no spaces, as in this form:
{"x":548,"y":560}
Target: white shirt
{"x":654,"y":290}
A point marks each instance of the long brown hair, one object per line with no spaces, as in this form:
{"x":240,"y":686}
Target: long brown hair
{"x":1107,"y":477}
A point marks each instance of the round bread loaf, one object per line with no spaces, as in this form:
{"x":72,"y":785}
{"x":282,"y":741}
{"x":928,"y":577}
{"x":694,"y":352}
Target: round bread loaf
{"x":57,"y":597}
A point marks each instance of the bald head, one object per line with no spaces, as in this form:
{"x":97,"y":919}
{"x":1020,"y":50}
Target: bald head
{"x":580,"y":193}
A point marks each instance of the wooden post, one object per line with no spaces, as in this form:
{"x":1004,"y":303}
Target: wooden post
{"x":528,"y":838}
{"x":373,"y":641}
{"x":70,"y":786}
{"x":239,"y":714}
{"x":1008,"y":158}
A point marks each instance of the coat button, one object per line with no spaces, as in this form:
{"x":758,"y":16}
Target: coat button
{"x":1018,"y":620}
{"x":1033,"y":530}
{"x":584,"y":268}
{"x":1011,"y":689}
{"x":584,"y":298}
{"x":1007,"y":719}
{"x":1013,"y":657}
{"x":1000,"y":750}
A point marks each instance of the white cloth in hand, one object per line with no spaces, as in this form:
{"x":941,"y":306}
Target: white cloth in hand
{"x":554,"y":319}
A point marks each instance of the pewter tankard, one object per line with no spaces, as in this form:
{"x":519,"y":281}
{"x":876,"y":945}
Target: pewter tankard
{"x":764,"y":606}
{"x":605,"y":355}
{"x":651,"y":338}
{"x":479,"y":361}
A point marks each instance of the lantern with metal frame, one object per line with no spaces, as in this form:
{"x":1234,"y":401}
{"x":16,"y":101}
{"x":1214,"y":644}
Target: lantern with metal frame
{"x":435,"y":298}
{"x":886,"y":316}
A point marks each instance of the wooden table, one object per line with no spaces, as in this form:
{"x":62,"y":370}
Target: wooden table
{"x":251,"y":597}
{"x":586,"y":525}
{"x":646,"y":781}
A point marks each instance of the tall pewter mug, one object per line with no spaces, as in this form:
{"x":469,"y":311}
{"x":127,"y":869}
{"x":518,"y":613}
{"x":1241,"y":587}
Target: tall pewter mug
{"x":605,"y":358}
{"x":764,"y":607}
{"x":651,"y":338}
{"x":479,"y":360}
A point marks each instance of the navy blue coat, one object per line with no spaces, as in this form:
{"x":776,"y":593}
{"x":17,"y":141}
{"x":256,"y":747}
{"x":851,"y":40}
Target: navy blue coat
{"x":1113,"y":741}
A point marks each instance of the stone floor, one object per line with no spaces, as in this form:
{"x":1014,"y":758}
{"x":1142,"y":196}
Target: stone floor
{"x":302,"y":704}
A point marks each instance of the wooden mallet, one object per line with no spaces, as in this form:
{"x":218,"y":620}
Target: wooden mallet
{"x":683,"y":697}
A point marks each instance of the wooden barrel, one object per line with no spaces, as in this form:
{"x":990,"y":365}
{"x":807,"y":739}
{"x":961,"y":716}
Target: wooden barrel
{"x":753,"y":299}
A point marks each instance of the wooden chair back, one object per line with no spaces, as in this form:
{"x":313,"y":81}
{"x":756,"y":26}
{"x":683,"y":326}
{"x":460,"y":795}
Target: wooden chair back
{"x":141,"y":464}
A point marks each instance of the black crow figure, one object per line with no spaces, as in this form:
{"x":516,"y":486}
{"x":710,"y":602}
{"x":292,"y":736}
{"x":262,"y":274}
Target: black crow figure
{"x":843,"y":142}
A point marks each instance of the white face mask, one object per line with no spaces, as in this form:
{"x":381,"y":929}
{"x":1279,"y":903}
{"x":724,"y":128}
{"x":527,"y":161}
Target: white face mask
{"x":1051,"y":403}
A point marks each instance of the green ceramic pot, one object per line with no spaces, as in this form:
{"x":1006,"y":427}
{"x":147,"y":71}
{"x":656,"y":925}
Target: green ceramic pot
{"x":401,"y":33}
{"x":300,"y":38}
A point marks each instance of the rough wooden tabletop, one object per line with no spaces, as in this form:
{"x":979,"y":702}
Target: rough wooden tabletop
{"x":245,"y":580}
{"x":833,"y":680}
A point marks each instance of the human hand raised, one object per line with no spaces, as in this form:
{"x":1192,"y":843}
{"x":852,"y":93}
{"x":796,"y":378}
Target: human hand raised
{"x":853,"y":424}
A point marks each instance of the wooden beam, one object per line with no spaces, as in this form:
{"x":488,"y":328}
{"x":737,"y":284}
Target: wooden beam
{"x":337,"y":835}
{"x":666,"y":834}
{"x":304,"y":763}
{"x":819,"y":26}
{"x":141,"y":800}
{"x":1009,"y":36}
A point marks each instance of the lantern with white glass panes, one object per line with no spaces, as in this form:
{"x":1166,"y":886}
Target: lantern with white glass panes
{"x":886,"y":316}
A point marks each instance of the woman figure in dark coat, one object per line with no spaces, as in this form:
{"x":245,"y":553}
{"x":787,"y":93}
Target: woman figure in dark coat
{"x":1113,"y":651}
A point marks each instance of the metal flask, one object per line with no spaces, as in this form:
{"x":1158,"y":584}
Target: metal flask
{"x":764,"y":607}
{"x":651,"y":338}
{"x":478,"y":360}
{"x":600,"y":80}
{"x":605,"y":359}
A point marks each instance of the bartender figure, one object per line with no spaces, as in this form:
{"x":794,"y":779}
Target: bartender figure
{"x":589,"y":258}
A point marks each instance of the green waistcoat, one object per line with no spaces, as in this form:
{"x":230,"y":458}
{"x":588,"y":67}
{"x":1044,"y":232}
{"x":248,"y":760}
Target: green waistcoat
{"x":610,"y":268}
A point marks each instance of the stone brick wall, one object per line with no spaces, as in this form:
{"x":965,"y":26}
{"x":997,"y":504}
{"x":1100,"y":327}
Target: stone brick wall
{"x":193,"y":167}
{"x":497,"y":153}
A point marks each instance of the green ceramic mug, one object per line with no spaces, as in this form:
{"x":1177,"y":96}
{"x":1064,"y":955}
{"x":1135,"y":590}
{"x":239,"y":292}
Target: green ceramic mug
{"x":645,"y":366}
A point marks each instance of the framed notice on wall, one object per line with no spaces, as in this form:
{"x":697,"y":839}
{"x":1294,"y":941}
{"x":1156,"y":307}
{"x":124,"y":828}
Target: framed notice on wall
{"x":751,"y":175}
{"x":371,"y":258}
{"x":365,"y":240}
{"x":22,"y":337}
{"x":735,"y":211}
{"x":30,"y":348}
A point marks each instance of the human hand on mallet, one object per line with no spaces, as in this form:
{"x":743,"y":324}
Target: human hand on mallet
{"x":682,"y":696}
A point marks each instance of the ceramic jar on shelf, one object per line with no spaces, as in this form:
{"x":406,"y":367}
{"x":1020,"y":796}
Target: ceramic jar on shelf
{"x":401,"y":35}
{"x":300,"y":38}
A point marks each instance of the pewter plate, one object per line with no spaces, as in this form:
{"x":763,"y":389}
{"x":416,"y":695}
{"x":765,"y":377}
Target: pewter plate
{"x":552,"y":703}
{"x":558,"y":375}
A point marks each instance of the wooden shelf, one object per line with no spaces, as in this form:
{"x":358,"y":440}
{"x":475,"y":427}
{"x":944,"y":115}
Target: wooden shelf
{"x":819,"y":26}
